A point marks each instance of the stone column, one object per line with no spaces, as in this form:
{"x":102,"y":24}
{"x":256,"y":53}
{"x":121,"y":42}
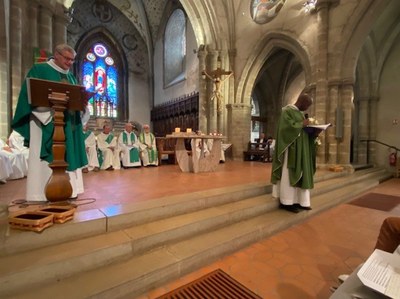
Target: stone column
{"x":346,"y":104}
{"x":224,"y":92}
{"x":60,"y":24}
{"x":45,"y":28}
{"x":363,"y":128}
{"x":321,"y":103}
{"x":16,"y":49}
{"x":203,"y":100}
{"x":212,"y":104}
{"x":239,"y":115}
{"x":33,"y":24}
{"x":5,"y":69}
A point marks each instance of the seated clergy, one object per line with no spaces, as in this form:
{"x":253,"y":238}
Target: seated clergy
{"x":16,"y":142}
{"x":5,"y":167}
{"x":129,"y":146}
{"x":148,"y":147}
{"x":18,"y":161}
{"x":91,"y":150}
{"x":108,"y":149}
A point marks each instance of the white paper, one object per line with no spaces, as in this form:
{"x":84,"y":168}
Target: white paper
{"x":381,"y":272}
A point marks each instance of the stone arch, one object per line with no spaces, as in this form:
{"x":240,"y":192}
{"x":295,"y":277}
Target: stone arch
{"x":356,"y":33}
{"x":203,"y":18}
{"x":260,"y":54}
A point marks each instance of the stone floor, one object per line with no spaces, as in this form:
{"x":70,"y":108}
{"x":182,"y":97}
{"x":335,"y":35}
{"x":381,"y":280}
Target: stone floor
{"x":303,"y":262}
{"x":300,"y":262}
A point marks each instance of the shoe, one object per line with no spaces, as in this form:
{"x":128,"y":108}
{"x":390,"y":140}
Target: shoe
{"x":110,"y":168}
{"x":85,"y":170}
{"x":96,"y":169}
{"x":305,"y":208}
{"x":290,"y":208}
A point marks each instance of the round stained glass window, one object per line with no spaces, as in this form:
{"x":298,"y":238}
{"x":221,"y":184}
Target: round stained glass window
{"x":109,"y":60}
{"x":100,"y":50}
{"x":90,"y":57}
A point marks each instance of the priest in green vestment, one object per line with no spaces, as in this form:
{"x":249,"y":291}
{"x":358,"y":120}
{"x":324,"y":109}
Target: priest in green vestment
{"x":294,"y":159}
{"x":148,"y":147}
{"x":36,"y":125}
{"x":129,"y":146}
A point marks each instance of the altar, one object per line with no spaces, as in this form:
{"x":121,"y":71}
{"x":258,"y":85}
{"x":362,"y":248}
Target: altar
{"x":197,"y":160}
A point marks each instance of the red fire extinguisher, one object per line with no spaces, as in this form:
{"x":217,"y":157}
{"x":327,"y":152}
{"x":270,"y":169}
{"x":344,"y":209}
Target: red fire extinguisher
{"x":392,"y":159}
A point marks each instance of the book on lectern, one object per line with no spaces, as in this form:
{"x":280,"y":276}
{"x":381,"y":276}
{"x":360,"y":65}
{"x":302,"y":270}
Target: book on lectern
{"x":39,"y":91}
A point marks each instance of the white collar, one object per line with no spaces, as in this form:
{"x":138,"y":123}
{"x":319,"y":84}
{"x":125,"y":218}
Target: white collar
{"x":56,"y":67}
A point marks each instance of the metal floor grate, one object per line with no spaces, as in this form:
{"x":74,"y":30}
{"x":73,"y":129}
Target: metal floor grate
{"x":216,"y":284}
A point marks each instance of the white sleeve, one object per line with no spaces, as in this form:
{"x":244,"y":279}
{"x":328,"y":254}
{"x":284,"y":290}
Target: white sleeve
{"x":43,"y":114}
{"x":85,"y":116}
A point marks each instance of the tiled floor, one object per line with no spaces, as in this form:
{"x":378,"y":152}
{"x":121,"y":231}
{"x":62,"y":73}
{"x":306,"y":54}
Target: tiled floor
{"x":301,"y":262}
{"x":304,"y":261}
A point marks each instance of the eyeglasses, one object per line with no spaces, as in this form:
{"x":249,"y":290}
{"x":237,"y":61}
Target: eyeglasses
{"x":66,"y":58}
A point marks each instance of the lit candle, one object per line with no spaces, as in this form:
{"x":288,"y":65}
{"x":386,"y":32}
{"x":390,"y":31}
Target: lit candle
{"x":189,"y":130}
{"x":177,"y":130}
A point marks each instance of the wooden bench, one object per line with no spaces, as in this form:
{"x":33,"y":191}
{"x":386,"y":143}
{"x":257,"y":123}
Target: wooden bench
{"x":166,"y":146}
{"x":254,"y":151}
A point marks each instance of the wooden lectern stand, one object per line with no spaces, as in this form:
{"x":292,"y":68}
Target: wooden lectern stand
{"x":58,"y":96}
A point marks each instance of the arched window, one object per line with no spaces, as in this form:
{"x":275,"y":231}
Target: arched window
{"x":99,"y":74}
{"x":175,"y":48}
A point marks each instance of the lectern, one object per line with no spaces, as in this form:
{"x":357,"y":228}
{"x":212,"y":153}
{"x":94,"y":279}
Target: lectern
{"x":58,"y":96}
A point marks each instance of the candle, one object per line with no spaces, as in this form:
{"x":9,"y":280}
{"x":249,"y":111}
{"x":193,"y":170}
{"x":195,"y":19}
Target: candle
{"x":177,"y":130}
{"x":189,"y":130}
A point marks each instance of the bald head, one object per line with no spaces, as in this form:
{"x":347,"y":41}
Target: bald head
{"x":303,"y":102}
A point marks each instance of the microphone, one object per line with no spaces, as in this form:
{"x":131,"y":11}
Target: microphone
{"x":306,"y":115}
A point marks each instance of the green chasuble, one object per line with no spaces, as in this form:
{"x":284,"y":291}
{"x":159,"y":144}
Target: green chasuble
{"x":301,"y":150}
{"x":153,"y":154}
{"x":75,"y":154}
{"x":133,"y":152}
{"x":87,"y":134}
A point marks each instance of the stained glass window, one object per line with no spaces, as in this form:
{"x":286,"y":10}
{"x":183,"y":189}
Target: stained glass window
{"x":175,"y":48}
{"x":100,"y":75}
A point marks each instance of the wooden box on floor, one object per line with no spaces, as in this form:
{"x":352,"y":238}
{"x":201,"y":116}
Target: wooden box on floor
{"x":33,"y":220}
{"x":61,"y":214}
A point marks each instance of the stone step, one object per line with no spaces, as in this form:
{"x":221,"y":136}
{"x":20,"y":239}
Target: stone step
{"x":332,"y":183}
{"x":99,"y":221}
{"x":99,"y":251}
{"x":76,"y":256}
{"x":140,"y":273}
{"x":112,"y":218}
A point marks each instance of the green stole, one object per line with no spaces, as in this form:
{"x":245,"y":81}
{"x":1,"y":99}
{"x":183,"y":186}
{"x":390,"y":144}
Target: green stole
{"x":301,"y":149}
{"x":109,"y":139}
{"x":75,"y":152}
{"x":87,"y":134}
{"x":133,"y":153}
{"x":153,"y":155}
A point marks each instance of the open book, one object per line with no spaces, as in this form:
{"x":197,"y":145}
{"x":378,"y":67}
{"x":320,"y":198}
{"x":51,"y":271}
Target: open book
{"x":320,"y":127}
{"x":381,"y":272}
{"x":316,"y":129}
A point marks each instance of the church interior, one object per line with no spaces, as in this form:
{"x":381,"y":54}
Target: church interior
{"x":219,"y":70}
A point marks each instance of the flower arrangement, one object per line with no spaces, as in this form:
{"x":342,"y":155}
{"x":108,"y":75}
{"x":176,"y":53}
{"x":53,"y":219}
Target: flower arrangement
{"x":313,"y":121}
